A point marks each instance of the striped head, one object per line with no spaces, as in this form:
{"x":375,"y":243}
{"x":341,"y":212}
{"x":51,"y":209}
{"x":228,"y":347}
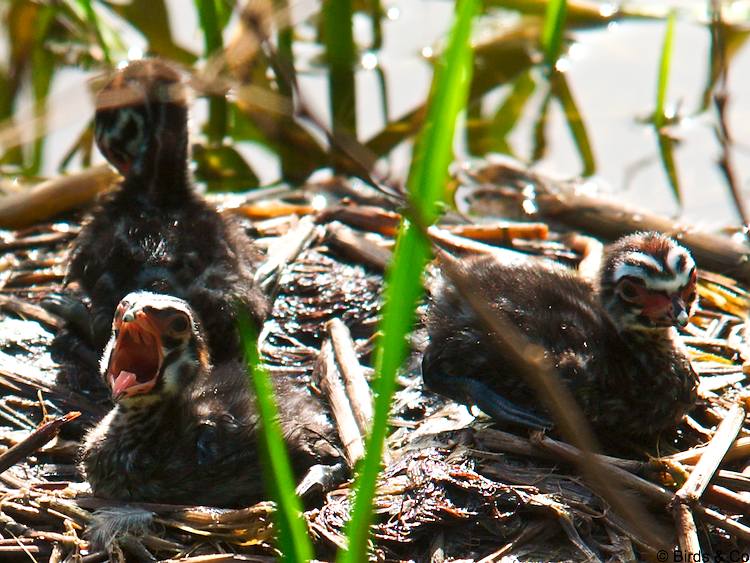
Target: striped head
{"x":156,"y":349}
{"x":141,"y":113}
{"x":648,"y":281}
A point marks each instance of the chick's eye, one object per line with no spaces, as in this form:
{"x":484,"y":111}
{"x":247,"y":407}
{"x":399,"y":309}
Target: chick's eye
{"x":628,"y":290}
{"x":178,"y":324}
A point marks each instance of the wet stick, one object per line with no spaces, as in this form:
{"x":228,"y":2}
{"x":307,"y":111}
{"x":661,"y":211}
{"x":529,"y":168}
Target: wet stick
{"x":333,"y":388}
{"x":284,"y":251}
{"x":34,"y":441}
{"x":355,"y":382}
{"x":358,"y":248}
{"x":702,"y":473}
{"x":609,"y":219}
{"x":712,"y":456}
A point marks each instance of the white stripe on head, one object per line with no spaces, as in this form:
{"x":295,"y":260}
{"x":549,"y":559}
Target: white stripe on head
{"x":636,"y":264}
{"x":671,"y":285}
{"x":676,"y":255}
{"x":637,"y":258}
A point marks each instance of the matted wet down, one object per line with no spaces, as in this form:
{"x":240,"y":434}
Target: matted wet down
{"x":455,"y":485}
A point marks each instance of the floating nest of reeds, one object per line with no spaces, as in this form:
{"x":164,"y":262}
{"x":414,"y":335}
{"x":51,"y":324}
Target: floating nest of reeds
{"x":455,"y":486}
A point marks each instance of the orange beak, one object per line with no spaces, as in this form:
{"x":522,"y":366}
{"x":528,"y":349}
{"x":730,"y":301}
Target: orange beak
{"x":136,"y":358}
{"x":666,"y":311}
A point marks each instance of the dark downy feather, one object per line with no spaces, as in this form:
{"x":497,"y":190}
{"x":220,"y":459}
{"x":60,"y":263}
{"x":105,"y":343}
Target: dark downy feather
{"x":629,"y":381}
{"x":196,"y":442}
{"x":153,"y":232}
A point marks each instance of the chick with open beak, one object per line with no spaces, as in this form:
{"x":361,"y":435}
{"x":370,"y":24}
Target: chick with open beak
{"x":153,"y":336}
{"x":182,"y":430}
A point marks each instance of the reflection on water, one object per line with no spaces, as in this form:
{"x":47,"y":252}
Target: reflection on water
{"x":613,"y":74}
{"x":610,"y":75}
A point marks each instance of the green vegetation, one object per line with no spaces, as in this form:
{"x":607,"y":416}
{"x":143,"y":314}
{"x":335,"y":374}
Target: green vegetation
{"x":294,"y":543}
{"x":508,"y":92}
{"x":508,"y":102}
{"x":666,"y":143}
{"x":554,"y":27}
{"x":340,"y":56}
{"x":665,"y":63}
{"x":426,"y":189}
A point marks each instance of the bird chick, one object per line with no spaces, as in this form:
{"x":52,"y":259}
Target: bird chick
{"x":182,"y":430}
{"x":154,"y":232}
{"x":612,"y":343}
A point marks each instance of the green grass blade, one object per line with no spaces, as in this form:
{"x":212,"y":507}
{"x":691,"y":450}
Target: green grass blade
{"x":294,"y":544}
{"x":492,"y":135}
{"x":93,"y":21}
{"x":554,"y":27}
{"x":210,"y":18}
{"x":340,"y":54}
{"x":539,"y":135}
{"x":665,"y":62}
{"x":510,"y":112}
{"x":288,"y":152}
{"x":575,"y":122}
{"x":426,"y":185}
{"x":666,"y":144}
{"x":666,"y":154}
{"x":376,"y":16}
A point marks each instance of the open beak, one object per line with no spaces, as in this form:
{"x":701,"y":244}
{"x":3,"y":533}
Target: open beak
{"x":679,"y":312}
{"x":136,"y":358}
{"x":664,"y":311}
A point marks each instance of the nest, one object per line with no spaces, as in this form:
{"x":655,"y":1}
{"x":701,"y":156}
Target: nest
{"x":454,"y":486}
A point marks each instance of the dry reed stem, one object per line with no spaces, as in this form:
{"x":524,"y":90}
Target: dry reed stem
{"x":34,"y":441}
{"x":740,"y":449}
{"x":355,"y":382}
{"x":727,"y":499}
{"x":272,"y":209}
{"x":687,"y":533}
{"x":53,"y":197}
{"x":499,"y":231}
{"x":738,"y":481}
{"x":333,"y":388}
{"x":284,"y":251}
{"x":712,"y":456}
{"x":461,"y":245}
{"x":358,"y":248}
{"x":364,"y":217}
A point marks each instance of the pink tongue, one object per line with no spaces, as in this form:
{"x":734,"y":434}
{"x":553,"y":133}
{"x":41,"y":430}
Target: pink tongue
{"x":123,"y":381}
